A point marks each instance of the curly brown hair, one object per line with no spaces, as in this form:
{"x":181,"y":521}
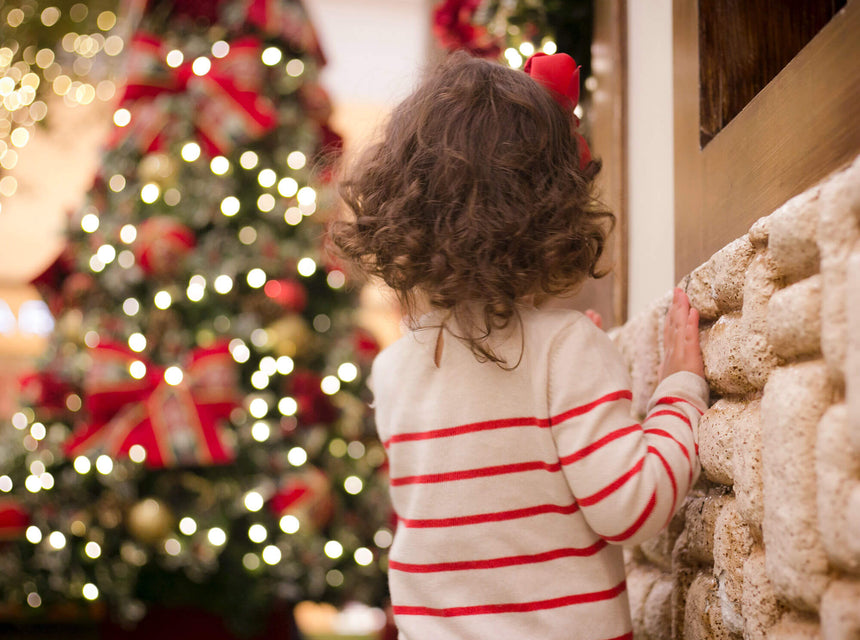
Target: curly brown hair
{"x":474,"y":199}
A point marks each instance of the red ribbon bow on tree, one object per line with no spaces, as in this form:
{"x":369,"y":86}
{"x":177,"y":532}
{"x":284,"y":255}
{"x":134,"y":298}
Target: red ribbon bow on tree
{"x":227,"y":106}
{"x":177,"y":424}
{"x":559,"y":74}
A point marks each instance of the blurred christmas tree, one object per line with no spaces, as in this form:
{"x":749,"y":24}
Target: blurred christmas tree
{"x":197,"y":434}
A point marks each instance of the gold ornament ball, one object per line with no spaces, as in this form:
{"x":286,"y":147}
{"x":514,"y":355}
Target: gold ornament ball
{"x":159,"y":168}
{"x":149,"y":520}
{"x":289,"y":336}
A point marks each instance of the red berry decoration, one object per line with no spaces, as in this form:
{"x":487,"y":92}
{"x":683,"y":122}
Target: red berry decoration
{"x":13,"y":520}
{"x":290,"y":294}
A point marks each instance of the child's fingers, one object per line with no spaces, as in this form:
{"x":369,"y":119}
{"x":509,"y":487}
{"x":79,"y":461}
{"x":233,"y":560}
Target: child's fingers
{"x":681,"y":337}
{"x":680,"y":309}
{"x":669,"y":321}
{"x":692,"y":324}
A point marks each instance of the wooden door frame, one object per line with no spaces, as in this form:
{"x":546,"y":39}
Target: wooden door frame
{"x":609,"y":134}
{"x":802,"y":126}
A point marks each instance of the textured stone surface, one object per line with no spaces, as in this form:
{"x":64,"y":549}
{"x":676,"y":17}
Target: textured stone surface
{"x":699,"y":596}
{"x":838,"y":234}
{"x":732,"y":546}
{"x":695,"y":545}
{"x":791,"y":236}
{"x":759,"y":233}
{"x":760,"y":283}
{"x":852,"y":352}
{"x":699,"y":289}
{"x":682,"y":577}
{"x":759,"y":606}
{"x":716,"y":450}
{"x":658,"y":550}
{"x":794,"y":626}
{"x":729,"y":266}
{"x":838,"y":468}
{"x":840,"y":611}
{"x":769,"y":543}
{"x":793,"y":402}
{"x":737,"y":361}
{"x":748,"y":485}
{"x":640,"y":580}
{"x":794,"y":319}
{"x":657,"y":616}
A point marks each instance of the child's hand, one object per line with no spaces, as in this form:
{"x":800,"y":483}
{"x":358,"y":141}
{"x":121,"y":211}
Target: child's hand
{"x":681,"y":338}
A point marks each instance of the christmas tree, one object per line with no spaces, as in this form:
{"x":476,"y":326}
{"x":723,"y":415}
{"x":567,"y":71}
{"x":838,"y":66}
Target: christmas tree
{"x":197,"y":431}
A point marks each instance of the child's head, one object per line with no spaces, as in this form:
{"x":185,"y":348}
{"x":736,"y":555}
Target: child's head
{"x":474,"y":198}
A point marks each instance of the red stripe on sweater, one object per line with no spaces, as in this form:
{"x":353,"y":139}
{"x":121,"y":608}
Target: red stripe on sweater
{"x":613,"y":486}
{"x":513,"y":607}
{"x":597,"y":444}
{"x":671,"y":475}
{"x":626,"y":636}
{"x":466,"y":428}
{"x":666,"y":434}
{"x":676,"y":400}
{"x":497,"y":563}
{"x":624,"y":394}
{"x":480,"y":518}
{"x":629,"y":533}
{"x":506,"y":423}
{"x":482,"y":472}
{"x":669,"y":412}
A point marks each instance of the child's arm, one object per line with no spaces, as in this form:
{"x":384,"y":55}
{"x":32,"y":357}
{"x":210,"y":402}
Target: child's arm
{"x":628,"y":478}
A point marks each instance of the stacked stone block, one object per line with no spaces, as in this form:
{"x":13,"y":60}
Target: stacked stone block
{"x":768,"y":543}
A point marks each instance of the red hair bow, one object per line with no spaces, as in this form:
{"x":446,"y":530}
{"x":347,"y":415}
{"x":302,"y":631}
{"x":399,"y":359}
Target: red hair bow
{"x":559,"y":73}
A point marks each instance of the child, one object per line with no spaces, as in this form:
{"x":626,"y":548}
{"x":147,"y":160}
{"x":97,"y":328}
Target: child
{"x":516,"y":467}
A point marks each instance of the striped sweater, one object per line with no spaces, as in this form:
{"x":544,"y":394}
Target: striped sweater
{"x":514,"y":489}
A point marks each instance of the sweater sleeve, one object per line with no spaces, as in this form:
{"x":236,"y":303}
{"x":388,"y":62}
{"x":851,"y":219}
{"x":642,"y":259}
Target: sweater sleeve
{"x":628,"y":478}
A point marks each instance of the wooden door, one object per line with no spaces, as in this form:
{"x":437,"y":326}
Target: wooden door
{"x":767,"y":102}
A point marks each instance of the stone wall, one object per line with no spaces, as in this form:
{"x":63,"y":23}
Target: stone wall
{"x":768,"y":544}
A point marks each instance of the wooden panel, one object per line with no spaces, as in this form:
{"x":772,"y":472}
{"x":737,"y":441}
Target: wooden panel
{"x":802,"y":126}
{"x":743,"y":44}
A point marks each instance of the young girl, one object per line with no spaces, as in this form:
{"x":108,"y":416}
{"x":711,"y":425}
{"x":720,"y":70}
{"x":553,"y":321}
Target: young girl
{"x":516,"y":468}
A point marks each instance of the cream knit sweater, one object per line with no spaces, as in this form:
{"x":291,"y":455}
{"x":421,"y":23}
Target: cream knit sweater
{"x":514,"y":489}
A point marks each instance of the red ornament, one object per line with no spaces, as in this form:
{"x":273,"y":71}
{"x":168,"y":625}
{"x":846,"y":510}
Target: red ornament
{"x":305,"y":495}
{"x":365,"y":345}
{"x":162,"y":244}
{"x":290,"y":294}
{"x":314,"y":407}
{"x":13,"y":520}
